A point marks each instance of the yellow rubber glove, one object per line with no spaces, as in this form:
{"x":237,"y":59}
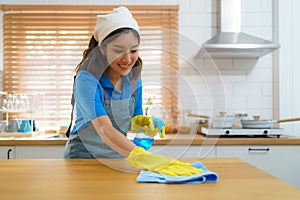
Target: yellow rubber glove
{"x":141,"y":159}
{"x":143,"y":123}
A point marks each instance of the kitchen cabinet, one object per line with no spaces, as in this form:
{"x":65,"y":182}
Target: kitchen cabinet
{"x":185,"y":151}
{"x":39,"y":152}
{"x":7,"y":152}
{"x":282,"y":161}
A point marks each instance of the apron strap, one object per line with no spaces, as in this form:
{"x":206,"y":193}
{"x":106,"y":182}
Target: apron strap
{"x":72,"y":103}
{"x":105,"y":94}
{"x":132,"y":89}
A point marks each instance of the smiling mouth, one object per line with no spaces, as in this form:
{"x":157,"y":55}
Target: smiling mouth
{"x":124,"y":66}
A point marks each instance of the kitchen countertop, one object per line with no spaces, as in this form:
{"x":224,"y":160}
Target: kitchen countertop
{"x":171,"y":139}
{"x":90,"y":179}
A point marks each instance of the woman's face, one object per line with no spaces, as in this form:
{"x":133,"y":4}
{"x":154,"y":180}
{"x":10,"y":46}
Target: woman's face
{"x":122,"y":53}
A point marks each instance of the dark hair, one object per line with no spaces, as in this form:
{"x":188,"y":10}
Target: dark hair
{"x":93,"y":58}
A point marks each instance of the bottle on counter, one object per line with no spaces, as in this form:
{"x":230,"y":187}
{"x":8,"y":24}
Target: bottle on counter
{"x":237,"y":120}
{"x":202,"y":123}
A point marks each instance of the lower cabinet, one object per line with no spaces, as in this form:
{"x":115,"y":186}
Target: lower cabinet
{"x":281,"y":161}
{"x":39,"y":152}
{"x":184,"y":151}
{"x":7,"y":152}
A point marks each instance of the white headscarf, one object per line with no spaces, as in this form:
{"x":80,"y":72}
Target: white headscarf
{"x":120,"y":18}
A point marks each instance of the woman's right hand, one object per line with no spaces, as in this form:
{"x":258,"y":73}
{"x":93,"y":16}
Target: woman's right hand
{"x":142,"y":159}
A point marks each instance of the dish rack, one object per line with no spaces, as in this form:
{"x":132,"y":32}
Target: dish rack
{"x":18,"y":104}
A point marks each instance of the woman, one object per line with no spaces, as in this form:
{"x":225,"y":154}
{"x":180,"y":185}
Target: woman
{"x":108,"y":93}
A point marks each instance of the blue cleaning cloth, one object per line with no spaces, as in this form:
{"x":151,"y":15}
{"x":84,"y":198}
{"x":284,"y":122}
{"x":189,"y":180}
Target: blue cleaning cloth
{"x":153,"y":177}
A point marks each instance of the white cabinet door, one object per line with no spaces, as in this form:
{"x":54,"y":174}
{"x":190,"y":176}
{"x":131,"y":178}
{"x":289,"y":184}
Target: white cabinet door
{"x":39,"y":152}
{"x":183,"y":151}
{"x":281,"y":161}
{"x":7,"y":152}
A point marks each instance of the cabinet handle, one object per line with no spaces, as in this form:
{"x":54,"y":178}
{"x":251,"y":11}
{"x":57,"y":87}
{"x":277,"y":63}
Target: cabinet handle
{"x":259,"y":149}
{"x":8,"y":153}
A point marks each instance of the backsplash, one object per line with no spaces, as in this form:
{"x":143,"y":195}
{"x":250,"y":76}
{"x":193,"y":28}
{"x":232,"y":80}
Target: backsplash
{"x":246,"y":84}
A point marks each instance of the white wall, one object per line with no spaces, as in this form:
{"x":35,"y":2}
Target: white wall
{"x":289,"y":73}
{"x":248,"y":85}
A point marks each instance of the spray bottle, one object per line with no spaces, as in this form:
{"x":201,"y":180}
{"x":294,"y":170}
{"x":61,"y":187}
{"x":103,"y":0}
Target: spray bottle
{"x":145,"y":139}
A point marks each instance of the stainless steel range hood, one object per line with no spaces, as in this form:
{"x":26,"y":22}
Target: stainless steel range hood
{"x":230,"y":42}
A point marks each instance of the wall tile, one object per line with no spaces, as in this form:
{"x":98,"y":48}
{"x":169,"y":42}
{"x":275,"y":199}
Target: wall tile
{"x":259,"y":75}
{"x":265,"y":61}
{"x":259,"y":19}
{"x":234,"y":76}
{"x":42,"y":1}
{"x":200,"y":19}
{"x":259,"y":102}
{"x":199,"y":6}
{"x":154,"y":2}
{"x":83,"y":2}
{"x":228,"y":88}
{"x":169,"y":2}
{"x":267,"y":32}
{"x":98,"y":2}
{"x":247,"y":89}
{"x":253,"y":30}
{"x":127,"y":2}
{"x":267,"y":89}
{"x":11,"y":1}
{"x":236,"y":104}
{"x":196,"y":34}
{"x":184,"y":6}
{"x":252,"y":5}
{"x":141,"y":2}
{"x":57,"y":2}
{"x":183,"y":20}
{"x":70,"y":2}
{"x":112,"y":2}
{"x":267,"y":5}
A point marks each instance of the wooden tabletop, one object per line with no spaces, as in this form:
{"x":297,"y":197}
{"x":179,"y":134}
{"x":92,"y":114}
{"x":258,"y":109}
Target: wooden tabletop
{"x":90,"y":179}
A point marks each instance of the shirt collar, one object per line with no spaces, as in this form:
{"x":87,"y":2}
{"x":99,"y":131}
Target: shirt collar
{"x":106,"y":83}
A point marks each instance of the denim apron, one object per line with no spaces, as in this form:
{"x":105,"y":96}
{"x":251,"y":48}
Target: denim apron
{"x":86,"y":143}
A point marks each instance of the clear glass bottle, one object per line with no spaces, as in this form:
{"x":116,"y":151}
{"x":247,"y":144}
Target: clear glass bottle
{"x":237,"y":120}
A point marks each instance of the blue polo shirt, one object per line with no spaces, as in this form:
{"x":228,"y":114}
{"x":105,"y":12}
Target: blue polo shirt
{"x":89,"y":96}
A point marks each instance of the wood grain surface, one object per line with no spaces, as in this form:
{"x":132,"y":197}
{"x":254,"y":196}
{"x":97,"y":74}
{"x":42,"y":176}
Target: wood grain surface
{"x":91,"y":179}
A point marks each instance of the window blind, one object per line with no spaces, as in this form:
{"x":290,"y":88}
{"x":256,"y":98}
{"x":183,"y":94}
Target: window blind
{"x":43,"y":44}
